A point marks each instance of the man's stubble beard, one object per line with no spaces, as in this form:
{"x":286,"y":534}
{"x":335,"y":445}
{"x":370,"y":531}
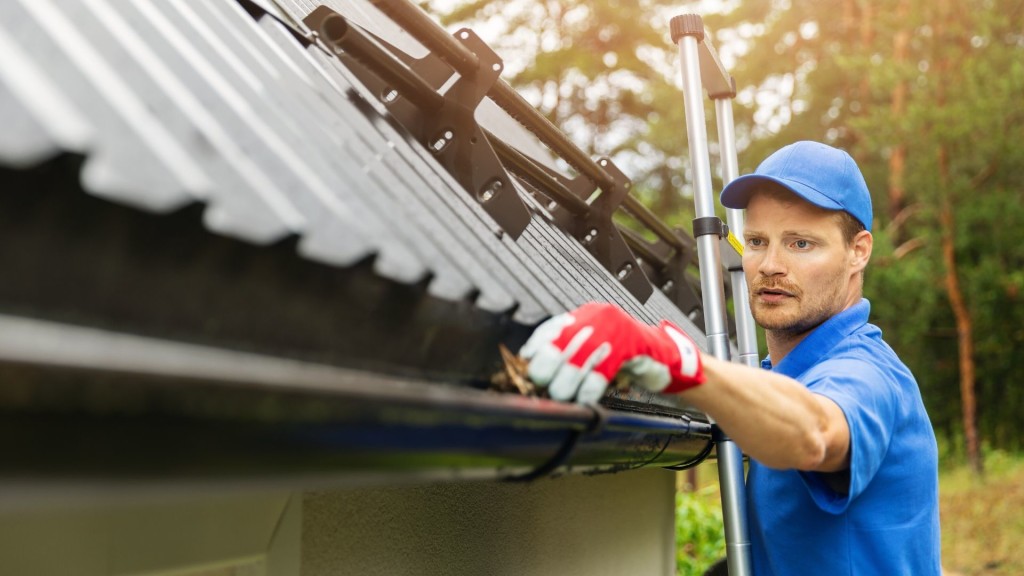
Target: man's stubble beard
{"x":808,"y":319}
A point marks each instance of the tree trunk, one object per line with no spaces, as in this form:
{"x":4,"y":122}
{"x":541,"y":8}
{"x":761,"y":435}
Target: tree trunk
{"x":964,"y":323}
{"x":867,"y":38}
{"x":847,"y":16}
{"x":898,"y":157}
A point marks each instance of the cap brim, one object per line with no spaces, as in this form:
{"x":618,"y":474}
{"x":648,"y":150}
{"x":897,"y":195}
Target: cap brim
{"x":737,"y":194}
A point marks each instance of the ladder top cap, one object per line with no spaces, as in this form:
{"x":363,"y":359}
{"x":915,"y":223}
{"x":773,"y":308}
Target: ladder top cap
{"x":686,"y":25}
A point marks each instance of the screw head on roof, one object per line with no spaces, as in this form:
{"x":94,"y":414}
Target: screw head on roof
{"x":490,"y":190}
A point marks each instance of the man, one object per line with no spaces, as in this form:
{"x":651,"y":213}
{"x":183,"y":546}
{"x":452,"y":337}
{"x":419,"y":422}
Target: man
{"x":843,"y":461}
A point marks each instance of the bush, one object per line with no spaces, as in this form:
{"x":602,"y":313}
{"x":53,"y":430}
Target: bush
{"x":700,"y":538}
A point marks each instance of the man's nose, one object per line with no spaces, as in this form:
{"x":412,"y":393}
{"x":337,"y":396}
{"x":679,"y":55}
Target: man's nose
{"x":772,"y":262}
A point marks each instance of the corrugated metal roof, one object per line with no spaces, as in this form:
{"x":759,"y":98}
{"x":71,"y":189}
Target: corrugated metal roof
{"x":174,"y":103}
{"x":212,"y":233}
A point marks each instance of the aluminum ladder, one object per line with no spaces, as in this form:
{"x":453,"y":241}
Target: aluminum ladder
{"x":718,"y":249}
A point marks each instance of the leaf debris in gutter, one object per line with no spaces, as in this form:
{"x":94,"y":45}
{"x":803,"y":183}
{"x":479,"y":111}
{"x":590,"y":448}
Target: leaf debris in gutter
{"x":512,"y":378}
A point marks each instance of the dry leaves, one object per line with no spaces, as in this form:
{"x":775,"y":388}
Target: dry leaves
{"x":513,"y":377}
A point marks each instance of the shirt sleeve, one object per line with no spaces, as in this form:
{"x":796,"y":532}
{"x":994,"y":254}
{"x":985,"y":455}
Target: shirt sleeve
{"x":868,"y":399}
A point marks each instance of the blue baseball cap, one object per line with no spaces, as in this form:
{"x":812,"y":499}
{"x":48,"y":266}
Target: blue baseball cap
{"x":820,"y":174}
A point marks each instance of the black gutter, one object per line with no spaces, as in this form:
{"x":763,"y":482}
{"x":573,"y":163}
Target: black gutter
{"x":88,"y":405}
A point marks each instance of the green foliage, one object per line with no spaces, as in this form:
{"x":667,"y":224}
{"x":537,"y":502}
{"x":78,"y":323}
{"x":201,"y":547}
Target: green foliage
{"x":700,"y":539}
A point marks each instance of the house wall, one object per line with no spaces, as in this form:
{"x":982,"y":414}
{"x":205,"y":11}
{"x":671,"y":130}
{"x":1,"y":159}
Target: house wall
{"x":172,"y":532}
{"x":612,"y":524}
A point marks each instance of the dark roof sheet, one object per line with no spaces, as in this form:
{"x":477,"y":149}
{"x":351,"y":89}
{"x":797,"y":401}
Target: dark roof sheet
{"x":173,"y":104}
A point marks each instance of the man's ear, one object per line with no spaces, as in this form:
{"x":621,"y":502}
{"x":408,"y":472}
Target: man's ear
{"x":861,"y":247}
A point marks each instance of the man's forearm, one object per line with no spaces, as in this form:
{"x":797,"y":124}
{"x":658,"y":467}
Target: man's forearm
{"x":772,"y":417}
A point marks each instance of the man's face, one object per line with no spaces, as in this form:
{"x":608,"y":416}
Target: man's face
{"x":799,"y":269}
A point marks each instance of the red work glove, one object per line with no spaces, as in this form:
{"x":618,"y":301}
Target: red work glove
{"x":578,"y":353}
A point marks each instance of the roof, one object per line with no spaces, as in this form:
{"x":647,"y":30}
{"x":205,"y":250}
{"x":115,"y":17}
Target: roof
{"x":207,"y":180}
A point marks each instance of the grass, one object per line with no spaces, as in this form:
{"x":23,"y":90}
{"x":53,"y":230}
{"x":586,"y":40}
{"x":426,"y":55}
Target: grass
{"x":982,"y":519}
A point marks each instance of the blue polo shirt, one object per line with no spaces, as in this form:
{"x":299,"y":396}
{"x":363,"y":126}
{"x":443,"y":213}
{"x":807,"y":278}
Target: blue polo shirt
{"x":887,"y":522}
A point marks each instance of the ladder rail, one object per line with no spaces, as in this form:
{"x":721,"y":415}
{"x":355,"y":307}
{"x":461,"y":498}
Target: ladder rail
{"x":746,"y":331}
{"x":688,"y":33}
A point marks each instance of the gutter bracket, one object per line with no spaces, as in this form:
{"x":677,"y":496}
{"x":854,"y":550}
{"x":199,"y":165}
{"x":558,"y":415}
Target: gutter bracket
{"x":449,"y":132}
{"x":597,"y":232}
{"x":670,"y":275}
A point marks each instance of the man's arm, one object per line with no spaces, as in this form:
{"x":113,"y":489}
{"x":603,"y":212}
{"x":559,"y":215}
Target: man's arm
{"x":773,"y":418}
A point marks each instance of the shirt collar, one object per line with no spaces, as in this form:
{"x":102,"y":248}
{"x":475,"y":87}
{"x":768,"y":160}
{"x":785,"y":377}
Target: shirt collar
{"x":821,"y":340}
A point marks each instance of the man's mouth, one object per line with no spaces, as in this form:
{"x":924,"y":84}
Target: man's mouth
{"x":773,"y":294}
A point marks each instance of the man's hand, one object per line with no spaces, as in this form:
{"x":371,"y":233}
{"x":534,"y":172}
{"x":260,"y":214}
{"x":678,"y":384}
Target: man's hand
{"x":577,"y":353}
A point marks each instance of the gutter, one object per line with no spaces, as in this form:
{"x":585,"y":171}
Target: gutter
{"x":83,"y":405}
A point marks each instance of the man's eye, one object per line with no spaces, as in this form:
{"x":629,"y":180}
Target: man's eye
{"x":802,"y":244}
{"x":755,"y":242}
